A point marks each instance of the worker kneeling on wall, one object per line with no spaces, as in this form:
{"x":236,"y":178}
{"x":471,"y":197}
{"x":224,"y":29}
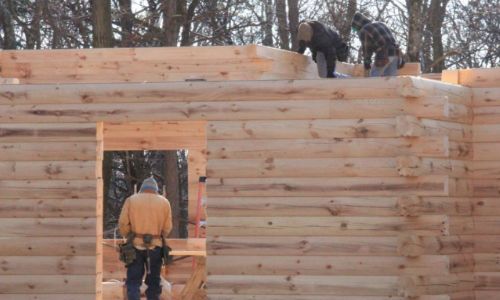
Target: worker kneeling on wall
{"x":145,"y":220}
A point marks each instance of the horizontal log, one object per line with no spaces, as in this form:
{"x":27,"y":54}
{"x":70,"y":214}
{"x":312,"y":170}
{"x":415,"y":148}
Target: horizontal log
{"x":328,"y":266}
{"x":301,"y":129}
{"x":331,"y":148}
{"x":414,"y":286}
{"x":49,"y":284}
{"x":474,"y":77}
{"x":9,"y":80}
{"x":48,"y":265}
{"x":159,"y":129}
{"x":48,"y":246}
{"x":411,"y":166}
{"x":310,"y":297}
{"x":458,"y":187}
{"x":486,"y":206}
{"x":304,"y":285}
{"x":175,"y":111}
{"x":302,"y":167}
{"x":425,"y":107}
{"x":56,"y":170}
{"x":55,"y":227}
{"x":486,"y":152}
{"x":487,"y":133}
{"x":466,"y":295}
{"x":197,"y":91}
{"x":486,"y":115}
{"x":135,"y":142}
{"x":414,"y":246}
{"x":460,"y":113}
{"x":411,"y":126}
{"x":487,"y":262}
{"x":47,"y":133}
{"x":48,"y":189}
{"x":55,"y":297}
{"x":463,"y":151}
{"x":53,"y":151}
{"x":461,"y":263}
{"x":487,"y":281}
{"x":486,"y":96}
{"x":486,"y":225}
{"x":484,"y":295}
{"x":48,"y":208}
{"x":420,"y":87}
{"x":487,"y":169}
{"x":336,"y":206}
{"x":328,"y":187}
{"x":328,"y":226}
{"x":486,"y":187}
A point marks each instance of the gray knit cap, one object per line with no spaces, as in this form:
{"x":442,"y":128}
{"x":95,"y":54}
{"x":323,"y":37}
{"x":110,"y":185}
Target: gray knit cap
{"x":149,"y":184}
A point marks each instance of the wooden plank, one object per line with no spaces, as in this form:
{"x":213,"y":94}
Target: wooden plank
{"x":378,"y":107}
{"x":460,"y":150}
{"x":304,"y":285}
{"x":486,"y":151}
{"x":462,"y":263}
{"x":486,"y":187}
{"x":44,"y":227}
{"x":481,"y":78}
{"x":302,"y":167}
{"x":486,"y":114}
{"x":486,"y":206}
{"x":486,"y":225}
{"x":47,"y":208}
{"x":55,"y":297}
{"x":198,"y":91}
{"x":301,"y":245}
{"x":47,"y":133}
{"x":487,"y":281}
{"x":9,"y":81}
{"x":334,"y":206}
{"x":328,"y":187}
{"x":136,"y":141}
{"x":487,"y":132}
{"x":333,"y":148}
{"x":414,"y":286}
{"x":163,"y":129}
{"x":486,"y":97}
{"x":487,"y":262}
{"x":56,"y":170}
{"x":463,"y":225}
{"x":327,"y":266}
{"x":54,"y":151}
{"x":183,"y":111}
{"x":315,"y":297}
{"x":485,"y":295}
{"x":466,"y":295}
{"x":328,"y":226}
{"x":460,"y":113}
{"x":411,"y":126}
{"x":301,"y":129}
{"x":49,"y":284}
{"x":419,"y":87}
{"x":48,"y":265}
{"x":48,"y":189}
{"x":487,"y":169}
{"x":460,"y":187}
{"x":410,"y":165}
{"x":48,"y":246}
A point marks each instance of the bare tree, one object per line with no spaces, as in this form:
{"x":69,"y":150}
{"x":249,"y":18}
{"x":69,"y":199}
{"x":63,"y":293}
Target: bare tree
{"x":101,"y":21}
{"x":293,"y":17}
{"x":283,"y":30}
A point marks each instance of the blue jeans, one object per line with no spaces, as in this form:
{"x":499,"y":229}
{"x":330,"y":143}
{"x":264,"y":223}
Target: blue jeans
{"x":136,"y":271}
{"x":390,"y":69}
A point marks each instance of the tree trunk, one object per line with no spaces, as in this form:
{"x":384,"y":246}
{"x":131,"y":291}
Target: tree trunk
{"x":268,"y":25}
{"x":171,"y":175}
{"x":186,"y":27}
{"x":9,"y":39}
{"x":107,"y":166}
{"x":126,"y":22}
{"x":101,"y":22}
{"x":345,"y":32}
{"x":170,"y":24}
{"x":437,"y":13}
{"x":293,"y":17}
{"x":415,"y":25}
{"x":283,"y":30}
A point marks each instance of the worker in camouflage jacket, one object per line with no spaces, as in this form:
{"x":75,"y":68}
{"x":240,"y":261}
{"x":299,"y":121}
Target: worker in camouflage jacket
{"x":325,"y":44}
{"x":377,"y":38}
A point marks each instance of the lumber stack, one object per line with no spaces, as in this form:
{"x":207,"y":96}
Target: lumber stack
{"x":50,"y":211}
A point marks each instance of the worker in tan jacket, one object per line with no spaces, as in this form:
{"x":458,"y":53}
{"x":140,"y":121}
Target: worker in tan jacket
{"x":148,"y":215}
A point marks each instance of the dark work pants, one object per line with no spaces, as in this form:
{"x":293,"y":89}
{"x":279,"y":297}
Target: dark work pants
{"x":136,"y":271}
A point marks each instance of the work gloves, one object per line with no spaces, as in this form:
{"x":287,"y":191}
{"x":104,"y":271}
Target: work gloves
{"x":368,"y":63}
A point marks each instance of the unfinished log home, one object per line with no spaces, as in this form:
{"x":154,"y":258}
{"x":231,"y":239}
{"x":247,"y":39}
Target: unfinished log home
{"x":345,"y":189}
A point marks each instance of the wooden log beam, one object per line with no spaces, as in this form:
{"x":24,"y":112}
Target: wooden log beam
{"x":48,"y":189}
{"x":414,"y":286}
{"x":48,"y":208}
{"x":329,"y":226}
{"x":419,"y":87}
{"x":473,"y":77}
{"x":301,"y":167}
{"x":410,"y":165}
{"x":56,"y":170}
{"x":486,"y":206}
{"x":485,"y":97}
{"x":487,"y":262}
{"x":485,"y":295}
{"x":53,"y":297}
{"x":487,"y":281}
{"x":328,"y":187}
{"x":82,"y":93}
{"x":301,"y":129}
{"x":11,"y":133}
{"x":49,"y":284}
{"x":53,"y":151}
{"x":48,"y":246}
{"x":487,"y":133}
{"x":411,"y":126}
{"x":486,"y":187}
{"x":136,"y":142}
{"x":335,"y":206}
{"x":464,"y":151}
{"x":48,"y":265}
{"x":9,"y":81}
{"x":315,"y":297}
{"x":336,"y":148}
{"x":54,"y":227}
{"x":411,"y":245}
{"x":462,"y":263}
{"x":328,"y":266}
{"x":486,"y":114}
{"x":304,"y":285}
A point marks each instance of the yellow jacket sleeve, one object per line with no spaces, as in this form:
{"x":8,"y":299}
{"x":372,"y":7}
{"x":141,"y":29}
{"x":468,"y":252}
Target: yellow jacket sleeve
{"x":124,"y":222}
{"x":167,"y":227}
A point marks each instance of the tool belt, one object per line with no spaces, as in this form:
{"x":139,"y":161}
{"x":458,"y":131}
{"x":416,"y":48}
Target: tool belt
{"x":127,"y":250}
{"x":167,"y":259}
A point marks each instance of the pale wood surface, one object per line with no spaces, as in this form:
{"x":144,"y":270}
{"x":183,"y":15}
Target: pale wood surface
{"x":48,"y":284}
{"x":53,"y":151}
{"x":48,"y":189}
{"x":486,"y":96}
{"x":47,"y":132}
{"x":47,"y":208}
{"x":420,"y":87}
{"x":56,"y":170}
{"x":411,"y":126}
